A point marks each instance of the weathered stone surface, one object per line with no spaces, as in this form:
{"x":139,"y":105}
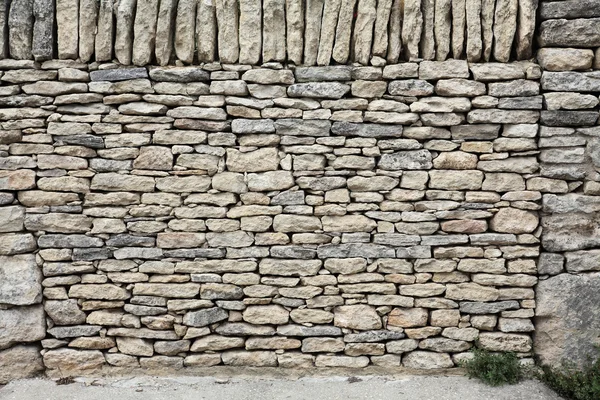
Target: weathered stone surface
{"x":427,"y":360}
{"x":566,"y":334}
{"x":412,"y":27}
{"x":21,"y":325}
{"x":294,"y":14}
{"x":165,"y":30}
{"x":363,"y":30}
{"x":73,"y":360}
{"x":20,"y":280}
{"x":273,"y":45}
{"x":569,"y":33}
{"x":124,"y":31}
{"x":250,"y":31}
{"x":359,"y":317}
{"x":206,"y":31}
{"x":20,"y":362}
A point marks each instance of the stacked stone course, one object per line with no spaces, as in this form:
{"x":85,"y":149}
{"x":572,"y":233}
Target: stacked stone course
{"x":328,"y":216}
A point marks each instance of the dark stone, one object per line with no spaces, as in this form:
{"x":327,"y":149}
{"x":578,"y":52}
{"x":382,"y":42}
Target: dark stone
{"x":570,"y":33}
{"x":120,"y":74}
{"x":366,"y":130}
{"x":130,"y":240}
{"x":569,"y":118}
{"x":569,"y":9}
{"x":91,"y":254}
{"x":488,"y":308}
{"x":297,"y":252}
{"x":91,"y":141}
{"x":68,"y":241}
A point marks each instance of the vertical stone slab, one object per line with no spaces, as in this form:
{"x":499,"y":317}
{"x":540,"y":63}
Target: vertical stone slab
{"x":227,"y":28}
{"x":250,"y":31}
{"x":395,"y":32}
{"x":526,"y":28}
{"x":20,"y":25}
{"x":184,"y":31}
{"x":459,"y":21}
{"x":104,"y":34}
{"x":144,"y":31}
{"x":88,"y":17}
{"x":206,"y":31}
{"x":474,"y":42}
{"x":294,"y":14}
{"x":487,"y":24}
{"x":380,"y":34}
{"x":427,"y":37}
{"x":505,"y":26}
{"x":43,"y":30}
{"x":273,"y":30}
{"x":343,"y":31}
{"x":331,"y":14}
{"x":124,"y":33}
{"x":312,"y":32}
{"x":412,"y":27}
{"x":67,"y":28}
{"x":363,"y":31}
{"x":165,"y":31}
{"x":4,"y":10}
{"x":443,"y":28}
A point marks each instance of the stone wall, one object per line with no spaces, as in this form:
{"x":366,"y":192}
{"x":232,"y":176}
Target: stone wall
{"x":302,"y":32}
{"x":568,"y":318}
{"x":273,"y":215}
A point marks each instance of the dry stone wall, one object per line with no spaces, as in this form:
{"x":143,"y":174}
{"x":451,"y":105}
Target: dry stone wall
{"x":302,"y":32}
{"x":169,"y":217}
{"x":568,"y":320}
{"x":328,"y":216}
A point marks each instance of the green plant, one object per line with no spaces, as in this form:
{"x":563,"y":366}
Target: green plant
{"x":494,"y":369}
{"x":572,"y":383}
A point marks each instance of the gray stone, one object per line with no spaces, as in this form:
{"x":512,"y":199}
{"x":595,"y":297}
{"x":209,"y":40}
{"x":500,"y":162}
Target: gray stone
{"x":43,"y":30}
{"x":20,"y":280}
{"x":565,"y":321}
{"x":569,"y":33}
{"x":205,"y":317}
{"x":326,"y":90}
{"x":124,"y":31}
{"x":20,"y":29}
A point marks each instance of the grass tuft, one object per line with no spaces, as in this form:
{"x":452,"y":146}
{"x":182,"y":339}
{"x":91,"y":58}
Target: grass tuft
{"x":494,"y":369}
{"x":572,"y":383}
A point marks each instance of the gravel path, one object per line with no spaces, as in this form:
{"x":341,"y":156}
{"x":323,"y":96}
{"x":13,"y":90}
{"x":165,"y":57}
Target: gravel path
{"x":198,"y":388}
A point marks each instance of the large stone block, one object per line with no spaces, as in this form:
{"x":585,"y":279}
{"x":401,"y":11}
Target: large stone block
{"x":20,"y":362}
{"x":20,"y":280}
{"x":567,"y":321}
{"x":22,"y":324}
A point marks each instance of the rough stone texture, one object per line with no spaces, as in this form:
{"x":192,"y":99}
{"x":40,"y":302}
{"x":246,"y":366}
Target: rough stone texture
{"x":20,"y":362}
{"x":349,"y":212}
{"x":566,"y":322}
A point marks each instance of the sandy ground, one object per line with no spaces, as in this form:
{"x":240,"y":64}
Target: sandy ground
{"x":246,"y":388}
